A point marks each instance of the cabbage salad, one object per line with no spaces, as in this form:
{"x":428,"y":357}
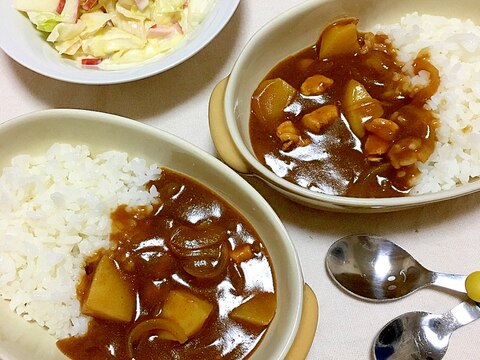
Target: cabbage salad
{"x":114,"y":33}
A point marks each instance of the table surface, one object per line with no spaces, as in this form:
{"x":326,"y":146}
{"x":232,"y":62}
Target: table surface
{"x":443,"y":236}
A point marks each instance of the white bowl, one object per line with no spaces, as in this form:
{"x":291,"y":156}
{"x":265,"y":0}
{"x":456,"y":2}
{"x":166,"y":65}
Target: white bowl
{"x":289,"y":332}
{"x":287,"y":34}
{"x":20,"y":40}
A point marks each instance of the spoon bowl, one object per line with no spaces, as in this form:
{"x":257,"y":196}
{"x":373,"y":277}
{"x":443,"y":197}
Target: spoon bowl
{"x":422,"y":335}
{"x":374,"y":268}
{"x":419,"y":333}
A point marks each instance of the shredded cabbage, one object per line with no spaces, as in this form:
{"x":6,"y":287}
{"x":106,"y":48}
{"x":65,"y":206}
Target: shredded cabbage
{"x":44,"y":21}
{"x":115,"y":32}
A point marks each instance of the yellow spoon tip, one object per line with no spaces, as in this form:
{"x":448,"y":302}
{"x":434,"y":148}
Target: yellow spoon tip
{"x":472,"y":285}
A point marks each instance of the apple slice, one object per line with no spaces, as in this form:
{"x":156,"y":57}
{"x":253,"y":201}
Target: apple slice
{"x":60,"y":6}
{"x":88,"y":4}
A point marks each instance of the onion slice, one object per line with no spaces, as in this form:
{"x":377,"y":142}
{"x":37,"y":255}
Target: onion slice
{"x":206,"y":267}
{"x":157,"y":324}
{"x":186,"y":240}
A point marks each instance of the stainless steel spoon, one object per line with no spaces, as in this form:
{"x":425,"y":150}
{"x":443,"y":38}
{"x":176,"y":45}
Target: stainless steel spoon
{"x":421,"y":335}
{"x":374,"y":268}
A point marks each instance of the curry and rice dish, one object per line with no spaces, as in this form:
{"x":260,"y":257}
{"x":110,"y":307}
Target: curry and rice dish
{"x":118,"y":259}
{"x":188,"y":278}
{"x":342,"y":117}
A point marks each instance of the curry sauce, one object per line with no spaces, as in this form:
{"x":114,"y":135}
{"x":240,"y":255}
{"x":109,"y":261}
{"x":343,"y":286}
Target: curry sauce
{"x":189,"y":248}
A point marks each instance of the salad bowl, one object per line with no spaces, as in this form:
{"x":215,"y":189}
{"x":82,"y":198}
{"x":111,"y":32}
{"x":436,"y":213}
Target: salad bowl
{"x":29,"y":47}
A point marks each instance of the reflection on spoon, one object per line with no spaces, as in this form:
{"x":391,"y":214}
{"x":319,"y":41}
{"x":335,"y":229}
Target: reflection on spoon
{"x":421,"y":335}
{"x":374,"y":268}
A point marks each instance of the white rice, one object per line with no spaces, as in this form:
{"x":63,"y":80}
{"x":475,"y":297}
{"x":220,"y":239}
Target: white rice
{"x":454,"y":47}
{"x":54,"y":213}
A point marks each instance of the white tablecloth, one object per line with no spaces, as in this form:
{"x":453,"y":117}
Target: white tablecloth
{"x":444,"y":237}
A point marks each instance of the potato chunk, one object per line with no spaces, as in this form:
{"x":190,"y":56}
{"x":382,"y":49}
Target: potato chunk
{"x":271,"y":98}
{"x":187,"y":310}
{"x":359,"y":107}
{"x":258,"y":311}
{"x":339,"y":39}
{"x":110,"y":297}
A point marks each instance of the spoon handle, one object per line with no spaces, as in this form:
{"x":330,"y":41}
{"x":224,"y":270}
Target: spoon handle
{"x":462,"y":314}
{"x":450,"y":281}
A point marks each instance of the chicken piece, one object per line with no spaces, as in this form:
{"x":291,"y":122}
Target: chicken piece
{"x":383,"y":128}
{"x":320,"y":118}
{"x":373,"y":42}
{"x":375,"y":145}
{"x":410,"y":174}
{"x":289,"y":135}
{"x":405,"y":152}
{"x":316,"y":85}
